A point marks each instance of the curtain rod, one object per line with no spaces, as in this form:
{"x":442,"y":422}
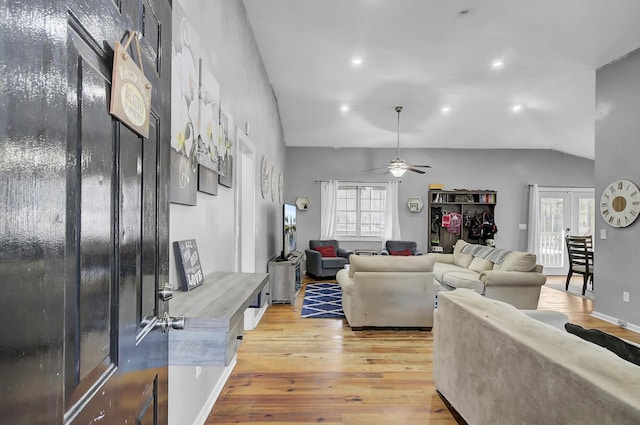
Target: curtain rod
{"x":562,"y":187}
{"x":351,"y":181}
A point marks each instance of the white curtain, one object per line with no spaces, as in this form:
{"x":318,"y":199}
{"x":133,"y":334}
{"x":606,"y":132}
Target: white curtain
{"x":328,"y":201}
{"x":391,"y":214}
{"x":533,"y":226}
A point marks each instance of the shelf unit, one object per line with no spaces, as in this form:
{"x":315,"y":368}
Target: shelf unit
{"x":214,"y":322}
{"x":463,"y":202}
{"x":285,"y":278}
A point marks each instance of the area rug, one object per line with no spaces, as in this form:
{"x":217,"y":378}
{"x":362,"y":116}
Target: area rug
{"x":575,"y":288}
{"x":322,"y":301}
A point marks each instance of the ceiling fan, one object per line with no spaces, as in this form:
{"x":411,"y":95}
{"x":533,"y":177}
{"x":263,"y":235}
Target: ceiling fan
{"x":399,"y":166}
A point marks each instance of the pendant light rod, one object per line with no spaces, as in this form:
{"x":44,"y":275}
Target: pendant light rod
{"x":398,"y":110}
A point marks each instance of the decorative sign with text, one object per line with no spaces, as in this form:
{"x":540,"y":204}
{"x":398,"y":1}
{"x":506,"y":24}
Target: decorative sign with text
{"x":188,"y":264}
{"x":130,"y":90}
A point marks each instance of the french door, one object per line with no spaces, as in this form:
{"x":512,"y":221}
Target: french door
{"x":562,"y":211}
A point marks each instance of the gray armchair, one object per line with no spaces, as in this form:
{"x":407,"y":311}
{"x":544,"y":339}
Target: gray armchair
{"x":319,"y":266}
{"x":400,"y":246}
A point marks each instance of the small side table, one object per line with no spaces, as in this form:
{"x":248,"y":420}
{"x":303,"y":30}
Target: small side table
{"x":366,"y":252}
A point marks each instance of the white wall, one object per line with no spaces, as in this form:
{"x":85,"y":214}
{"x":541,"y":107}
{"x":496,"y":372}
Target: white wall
{"x":617,"y":152}
{"x":229,"y":51}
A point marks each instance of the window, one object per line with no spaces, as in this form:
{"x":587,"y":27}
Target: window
{"x":360,"y":211}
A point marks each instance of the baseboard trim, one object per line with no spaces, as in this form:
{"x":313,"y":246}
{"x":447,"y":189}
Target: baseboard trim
{"x":616,"y":321}
{"x":215,"y":393}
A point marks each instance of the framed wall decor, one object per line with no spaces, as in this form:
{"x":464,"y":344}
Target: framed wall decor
{"x":207,"y":181}
{"x":225,"y":178}
{"x":415,"y":204}
{"x":185,"y":73}
{"x":188,"y":264}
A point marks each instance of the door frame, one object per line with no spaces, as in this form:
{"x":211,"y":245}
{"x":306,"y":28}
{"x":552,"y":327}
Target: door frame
{"x":245,"y":227}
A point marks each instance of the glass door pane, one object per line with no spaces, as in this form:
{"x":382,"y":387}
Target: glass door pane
{"x":554,"y":214}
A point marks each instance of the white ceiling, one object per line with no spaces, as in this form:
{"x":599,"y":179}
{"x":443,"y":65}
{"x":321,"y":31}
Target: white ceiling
{"x":425,"y":54}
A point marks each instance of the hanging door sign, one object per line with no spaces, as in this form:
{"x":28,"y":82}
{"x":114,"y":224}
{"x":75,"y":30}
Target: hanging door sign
{"x":130,"y":89}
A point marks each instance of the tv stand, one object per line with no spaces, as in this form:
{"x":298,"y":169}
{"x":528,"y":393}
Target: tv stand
{"x":285,"y":279}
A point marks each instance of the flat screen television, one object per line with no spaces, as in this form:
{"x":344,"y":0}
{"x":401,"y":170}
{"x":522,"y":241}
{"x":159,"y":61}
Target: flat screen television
{"x":289,"y":230}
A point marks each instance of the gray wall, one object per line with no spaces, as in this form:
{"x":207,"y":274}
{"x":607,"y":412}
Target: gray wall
{"x":506,"y":170}
{"x":617,"y":152}
{"x":228,"y":49}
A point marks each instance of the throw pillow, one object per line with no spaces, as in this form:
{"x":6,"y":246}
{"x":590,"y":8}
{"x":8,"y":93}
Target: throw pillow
{"x":518,"y":261}
{"x":405,"y":252}
{"x":621,"y":348}
{"x":480,"y":265}
{"x":326,"y":251}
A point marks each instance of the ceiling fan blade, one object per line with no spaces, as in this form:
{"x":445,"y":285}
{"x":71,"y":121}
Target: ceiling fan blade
{"x":423,"y":166}
{"x":375,"y":169}
{"x":415,"y":170}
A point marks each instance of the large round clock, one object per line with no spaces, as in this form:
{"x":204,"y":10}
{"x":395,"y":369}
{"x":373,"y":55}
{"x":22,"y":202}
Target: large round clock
{"x":620,"y":203}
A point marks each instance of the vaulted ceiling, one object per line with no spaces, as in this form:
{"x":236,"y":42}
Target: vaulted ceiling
{"x":469,"y":74}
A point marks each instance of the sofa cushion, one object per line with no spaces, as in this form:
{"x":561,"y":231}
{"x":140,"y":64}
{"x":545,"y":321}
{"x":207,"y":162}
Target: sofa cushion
{"x":387,"y":263}
{"x":461,"y":259}
{"x":333,"y":262}
{"x":480,"y":265}
{"x":463,"y":279}
{"x":326,"y":251}
{"x":518,"y":261}
{"x":440,"y":269}
{"x":612,"y":343}
{"x":404,"y":253}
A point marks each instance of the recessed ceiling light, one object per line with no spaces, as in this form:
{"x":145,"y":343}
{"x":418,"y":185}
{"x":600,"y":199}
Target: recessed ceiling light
{"x":445,"y":109}
{"x":356,"y":61}
{"x":344,"y":108}
{"x":497,"y":64}
{"x":516,"y":108}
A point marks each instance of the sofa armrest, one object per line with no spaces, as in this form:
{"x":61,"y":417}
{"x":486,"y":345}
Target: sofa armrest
{"x":502,"y":278}
{"x":341,"y":252}
{"x":383,"y":252}
{"x":314,"y":262}
{"x":417,"y":252}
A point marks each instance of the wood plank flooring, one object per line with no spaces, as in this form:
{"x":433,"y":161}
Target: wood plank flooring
{"x":303,"y":371}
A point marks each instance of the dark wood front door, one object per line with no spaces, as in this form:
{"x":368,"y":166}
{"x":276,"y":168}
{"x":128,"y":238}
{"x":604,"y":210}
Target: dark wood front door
{"x":85,"y":216}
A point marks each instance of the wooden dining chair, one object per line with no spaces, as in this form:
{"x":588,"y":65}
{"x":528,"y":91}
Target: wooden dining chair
{"x":580,"y":250}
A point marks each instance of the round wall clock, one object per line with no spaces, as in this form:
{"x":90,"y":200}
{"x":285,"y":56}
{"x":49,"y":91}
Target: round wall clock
{"x":265,"y":180}
{"x":620,"y":203}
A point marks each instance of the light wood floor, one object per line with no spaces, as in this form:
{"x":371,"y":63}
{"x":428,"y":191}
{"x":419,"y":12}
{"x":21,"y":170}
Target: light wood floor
{"x":302,"y":371}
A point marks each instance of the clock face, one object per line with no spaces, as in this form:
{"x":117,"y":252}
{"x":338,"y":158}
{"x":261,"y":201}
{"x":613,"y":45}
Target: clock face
{"x":620,"y":203}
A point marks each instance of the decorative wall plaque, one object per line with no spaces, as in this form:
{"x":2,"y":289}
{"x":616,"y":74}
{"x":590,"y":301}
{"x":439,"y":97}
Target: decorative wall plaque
{"x":130,"y":89}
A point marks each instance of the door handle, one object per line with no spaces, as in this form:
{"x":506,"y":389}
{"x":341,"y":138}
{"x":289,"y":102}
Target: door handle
{"x":166,"y":292}
{"x":164,"y":322}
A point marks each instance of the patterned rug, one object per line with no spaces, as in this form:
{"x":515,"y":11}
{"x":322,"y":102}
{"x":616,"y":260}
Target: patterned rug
{"x":322,"y":301}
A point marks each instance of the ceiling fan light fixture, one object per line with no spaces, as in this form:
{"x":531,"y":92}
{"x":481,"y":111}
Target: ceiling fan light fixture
{"x":397,"y":172}
{"x":397,"y":167}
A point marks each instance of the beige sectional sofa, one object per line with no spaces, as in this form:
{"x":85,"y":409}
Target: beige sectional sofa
{"x":496,"y":365}
{"x":510,"y":276}
{"x":388,"y":291}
